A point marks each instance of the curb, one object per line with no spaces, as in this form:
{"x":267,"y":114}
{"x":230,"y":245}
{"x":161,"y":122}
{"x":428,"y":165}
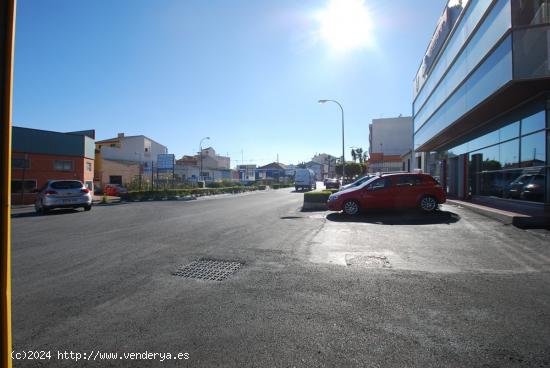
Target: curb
{"x":314,"y":206}
{"x":506,"y":217}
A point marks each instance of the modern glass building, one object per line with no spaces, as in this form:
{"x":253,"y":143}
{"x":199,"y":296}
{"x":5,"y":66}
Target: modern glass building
{"x":481,"y":110}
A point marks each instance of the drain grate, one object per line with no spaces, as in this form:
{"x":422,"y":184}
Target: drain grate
{"x":368,"y":261}
{"x":208,"y":269}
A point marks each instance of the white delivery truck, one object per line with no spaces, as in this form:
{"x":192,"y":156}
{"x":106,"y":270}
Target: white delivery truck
{"x":304,"y":179}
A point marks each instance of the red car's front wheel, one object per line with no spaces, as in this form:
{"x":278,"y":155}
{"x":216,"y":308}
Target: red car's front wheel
{"x":351,"y":208}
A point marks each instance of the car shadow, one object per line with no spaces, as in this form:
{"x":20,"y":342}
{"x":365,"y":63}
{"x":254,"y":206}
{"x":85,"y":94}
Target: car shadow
{"x":64,"y":211}
{"x":398,"y":217}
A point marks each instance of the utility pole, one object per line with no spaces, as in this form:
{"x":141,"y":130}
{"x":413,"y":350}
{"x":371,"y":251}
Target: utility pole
{"x":7,"y":39}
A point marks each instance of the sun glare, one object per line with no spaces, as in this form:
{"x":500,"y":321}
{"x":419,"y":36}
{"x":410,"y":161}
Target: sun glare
{"x":346,"y":24}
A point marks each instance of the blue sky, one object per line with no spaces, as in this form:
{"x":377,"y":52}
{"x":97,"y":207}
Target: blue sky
{"x":246,"y":73}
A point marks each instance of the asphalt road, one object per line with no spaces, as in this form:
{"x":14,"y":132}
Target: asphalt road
{"x":386,"y":289}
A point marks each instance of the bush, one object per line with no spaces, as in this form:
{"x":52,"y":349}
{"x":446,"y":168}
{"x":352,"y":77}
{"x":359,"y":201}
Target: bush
{"x":317,"y":197}
{"x":173,"y":193}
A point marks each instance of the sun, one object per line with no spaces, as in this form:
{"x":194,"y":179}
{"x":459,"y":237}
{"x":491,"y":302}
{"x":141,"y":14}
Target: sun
{"x":346,"y":24}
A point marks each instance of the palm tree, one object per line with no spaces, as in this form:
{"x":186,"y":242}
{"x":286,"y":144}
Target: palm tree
{"x":354,"y":155}
{"x":359,"y":153}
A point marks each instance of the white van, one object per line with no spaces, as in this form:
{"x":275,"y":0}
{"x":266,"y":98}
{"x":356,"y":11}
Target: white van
{"x":304,"y":179}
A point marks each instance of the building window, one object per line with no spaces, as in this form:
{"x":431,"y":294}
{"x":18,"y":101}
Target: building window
{"x":88,"y":166}
{"x":61,"y":165}
{"x":20,"y":163}
{"x":20,"y":186}
{"x":113,"y":145}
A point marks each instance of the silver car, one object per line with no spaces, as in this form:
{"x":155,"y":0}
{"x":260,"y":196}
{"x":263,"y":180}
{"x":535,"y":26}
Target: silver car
{"x":63,"y":194}
{"x":358,"y":182}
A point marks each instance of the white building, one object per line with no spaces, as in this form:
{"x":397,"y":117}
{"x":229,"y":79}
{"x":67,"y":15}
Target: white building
{"x":324,"y":166}
{"x":391,"y":136}
{"x":214,"y":161}
{"x":214,"y":166}
{"x":136,"y":148}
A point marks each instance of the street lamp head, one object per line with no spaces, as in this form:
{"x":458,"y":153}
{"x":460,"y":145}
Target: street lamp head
{"x":322,"y":101}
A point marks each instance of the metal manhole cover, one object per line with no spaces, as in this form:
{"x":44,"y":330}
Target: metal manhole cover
{"x":208,"y":269}
{"x":367,"y":261}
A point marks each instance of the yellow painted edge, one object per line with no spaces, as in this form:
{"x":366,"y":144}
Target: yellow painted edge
{"x":6,"y":347}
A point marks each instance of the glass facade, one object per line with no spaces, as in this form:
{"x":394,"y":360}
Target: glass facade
{"x":424,"y":82}
{"x":490,"y":31}
{"x":531,"y":12}
{"x":492,"y":74}
{"x":509,"y":162}
{"x":532,"y":52}
{"x":494,"y":45}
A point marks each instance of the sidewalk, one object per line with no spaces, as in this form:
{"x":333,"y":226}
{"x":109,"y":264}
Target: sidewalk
{"x":523,"y":215}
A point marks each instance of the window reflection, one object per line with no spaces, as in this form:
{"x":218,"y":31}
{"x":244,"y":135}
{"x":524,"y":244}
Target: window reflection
{"x":503,"y":171}
{"x":533,"y":123}
{"x":528,"y":186}
{"x":533,"y":150}
{"x":531,"y":12}
{"x":509,"y":132}
{"x":509,"y":154}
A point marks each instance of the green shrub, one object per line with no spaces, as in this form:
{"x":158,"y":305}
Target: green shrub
{"x":173,"y":193}
{"x":317,"y":197}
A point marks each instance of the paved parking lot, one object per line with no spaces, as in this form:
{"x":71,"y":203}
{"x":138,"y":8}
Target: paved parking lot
{"x":386,"y":289}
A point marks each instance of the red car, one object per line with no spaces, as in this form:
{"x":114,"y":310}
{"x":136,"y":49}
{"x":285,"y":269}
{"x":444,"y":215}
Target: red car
{"x":403,"y":190}
{"x":114,"y":190}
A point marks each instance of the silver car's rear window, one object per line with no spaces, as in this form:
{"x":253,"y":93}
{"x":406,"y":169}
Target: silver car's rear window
{"x":68,"y":184}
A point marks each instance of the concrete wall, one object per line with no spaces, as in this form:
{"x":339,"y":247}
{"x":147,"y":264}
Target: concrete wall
{"x":116,"y":168}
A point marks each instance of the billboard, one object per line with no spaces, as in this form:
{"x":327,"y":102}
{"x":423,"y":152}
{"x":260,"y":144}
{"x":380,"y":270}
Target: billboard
{"x":166,"y":162}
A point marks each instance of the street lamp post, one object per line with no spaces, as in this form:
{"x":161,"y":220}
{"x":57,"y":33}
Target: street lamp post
{"x":343,"y":149}
{"x":200,"y":147}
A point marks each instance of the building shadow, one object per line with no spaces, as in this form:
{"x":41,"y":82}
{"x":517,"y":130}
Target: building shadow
{"x":398,"y":217}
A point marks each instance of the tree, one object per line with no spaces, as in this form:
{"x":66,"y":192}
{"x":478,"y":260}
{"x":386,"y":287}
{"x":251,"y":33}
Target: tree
{"x":354,"y":155}
{"x":301,"y":165}
{"x":359,"y":153}
{"x":352,"y":169}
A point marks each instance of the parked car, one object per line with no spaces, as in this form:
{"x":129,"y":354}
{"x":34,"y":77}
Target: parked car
{"x":332,"y":183}
{"x":304,"y":179}
{"x":357,"y":182}
{"x":63,"y":194}
{"x":114,"y":190}
{"x":390,"y":191}
{"x":528,"y":187}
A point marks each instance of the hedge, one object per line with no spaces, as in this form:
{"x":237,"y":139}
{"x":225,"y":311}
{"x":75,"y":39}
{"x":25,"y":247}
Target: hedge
{"x":173,"y":193}
{"x":317,"y":197}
